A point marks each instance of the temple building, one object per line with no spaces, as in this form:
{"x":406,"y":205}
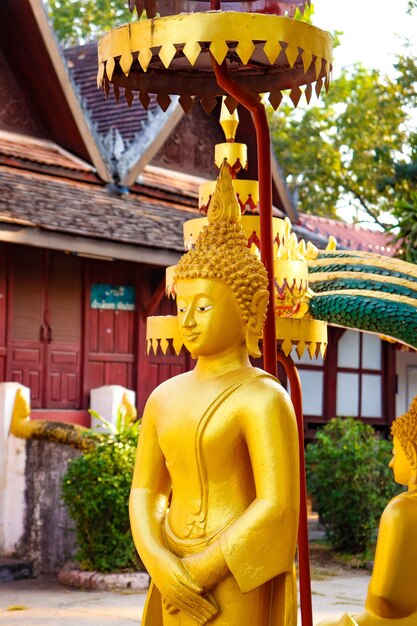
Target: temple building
{"x":93,"y":198}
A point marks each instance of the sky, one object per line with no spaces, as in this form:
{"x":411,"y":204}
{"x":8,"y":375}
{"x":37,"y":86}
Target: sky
{"x":374,"y":32}
{"x":371,"y":29}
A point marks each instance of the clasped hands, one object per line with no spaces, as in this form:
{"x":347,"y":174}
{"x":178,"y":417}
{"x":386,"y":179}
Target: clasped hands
{"x":185,"y":583}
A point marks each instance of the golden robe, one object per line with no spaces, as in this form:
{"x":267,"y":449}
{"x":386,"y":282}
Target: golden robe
{"x":254,"y":588}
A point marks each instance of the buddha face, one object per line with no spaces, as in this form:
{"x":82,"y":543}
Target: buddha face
{"x":400,"y":464}
{"x":209,"y":317}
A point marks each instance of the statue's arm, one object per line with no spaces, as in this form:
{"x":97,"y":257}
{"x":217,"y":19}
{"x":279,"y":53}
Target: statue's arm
{"x":260,"y":544}
{"x":391,"y":559}
{"x":149,"y":493}
{"x":147,"y":507}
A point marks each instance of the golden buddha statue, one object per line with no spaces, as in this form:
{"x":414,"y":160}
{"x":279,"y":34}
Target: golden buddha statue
{"x":214,"y":500}
{"x":392,"y":593}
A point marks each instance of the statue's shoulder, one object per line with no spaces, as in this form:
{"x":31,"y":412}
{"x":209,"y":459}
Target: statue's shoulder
{"x":402,"y":509}
{"x":169,"y":388}
{"x":269,"y":383}
{"x":266,"y":389}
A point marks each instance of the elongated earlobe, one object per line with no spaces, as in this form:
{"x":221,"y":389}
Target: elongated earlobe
{"x":413,"y":478}
{"x":255,"y":323}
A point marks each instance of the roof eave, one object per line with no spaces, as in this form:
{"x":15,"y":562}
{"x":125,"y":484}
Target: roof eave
{"x":65,"y":82}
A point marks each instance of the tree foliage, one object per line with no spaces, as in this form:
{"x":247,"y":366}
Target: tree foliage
{"x":348,"y":475}
{"x":76,"y":21}
{"x":96,"y":491}
{"x":357,"y":148}
{"x":348,"y":148}
{"x":406,"y":231}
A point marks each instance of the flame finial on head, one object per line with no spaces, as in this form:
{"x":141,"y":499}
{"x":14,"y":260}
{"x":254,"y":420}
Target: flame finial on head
{"x":224,"y":206}
{"x":221,"y":252}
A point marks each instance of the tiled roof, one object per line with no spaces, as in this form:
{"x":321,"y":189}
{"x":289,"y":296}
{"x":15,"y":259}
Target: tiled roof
{"x":351,"y":236}
{"x":90,"y":210}
{"x":178,"y":184}
{"x":171,"y":181}
{"x":30,"y":150}
{"x":142,"y":218}
{"x":105,"y":112}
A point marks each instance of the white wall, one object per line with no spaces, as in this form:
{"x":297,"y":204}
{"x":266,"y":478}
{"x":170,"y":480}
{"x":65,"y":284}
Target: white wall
{"x":106,"y":401}
{"x":12,"y":473}
{"x":406,"y":370}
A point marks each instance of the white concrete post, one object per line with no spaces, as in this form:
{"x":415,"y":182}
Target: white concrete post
{"x":106,"y":400}
{"x":12,"y":473}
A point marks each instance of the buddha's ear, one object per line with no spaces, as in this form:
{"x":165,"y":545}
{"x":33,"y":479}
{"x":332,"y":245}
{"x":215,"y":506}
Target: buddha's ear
{"x":256,"y":321}
{"x":413,"y":453}
{"x":413,"y":462}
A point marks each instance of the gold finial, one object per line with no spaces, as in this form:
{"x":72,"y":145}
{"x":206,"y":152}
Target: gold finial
{"x":229,"y":122}
{"x":224,"y":206}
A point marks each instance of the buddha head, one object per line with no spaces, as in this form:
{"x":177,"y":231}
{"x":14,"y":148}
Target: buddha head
{"x":221,"y":287}
{"x":404,"y":460}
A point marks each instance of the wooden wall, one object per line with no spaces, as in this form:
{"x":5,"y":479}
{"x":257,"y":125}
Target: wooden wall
{"x":3,"y":309}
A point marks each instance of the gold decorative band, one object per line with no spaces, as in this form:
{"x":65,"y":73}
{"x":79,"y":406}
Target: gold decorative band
{"x":232,"y":153}
{"x":250,"y":224}
{"x":301,"y":334}
{"x":287,"y":53}
{"x":162,"y":333}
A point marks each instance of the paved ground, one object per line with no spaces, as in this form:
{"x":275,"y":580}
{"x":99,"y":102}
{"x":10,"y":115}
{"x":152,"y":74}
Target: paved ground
{"x":44,"y":602}
{"x":337,"y":595}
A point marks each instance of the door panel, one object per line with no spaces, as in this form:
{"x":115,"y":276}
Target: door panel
{"x":45,"y":327}
{"x":25,"y":359}
{"x":3,"y":319}
{"x":63,"y":320}
{"x":111,"y":337}
{"x":62,"y":385}
{"x":63,"y":368}
{"x":156,"y":368}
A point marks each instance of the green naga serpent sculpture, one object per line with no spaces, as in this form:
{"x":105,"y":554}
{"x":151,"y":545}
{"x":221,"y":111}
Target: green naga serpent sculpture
{"x":365,"y":291}
{"x":352,"y":289}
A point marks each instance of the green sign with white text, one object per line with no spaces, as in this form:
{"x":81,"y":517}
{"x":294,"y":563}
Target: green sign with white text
{"x":112,"y":297}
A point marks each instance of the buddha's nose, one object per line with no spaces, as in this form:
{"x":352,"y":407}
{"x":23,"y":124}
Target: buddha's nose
{"x":189,"y":320}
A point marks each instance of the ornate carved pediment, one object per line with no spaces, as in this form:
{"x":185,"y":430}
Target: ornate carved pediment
{"x":15,"y":114}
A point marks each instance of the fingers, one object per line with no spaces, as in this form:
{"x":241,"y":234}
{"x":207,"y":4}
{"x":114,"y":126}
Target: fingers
{"x":169,"y":607}
{"x":197,"y":607}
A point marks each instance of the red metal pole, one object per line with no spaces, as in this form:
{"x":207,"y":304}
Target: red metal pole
{"x":303,"y":551}
{"x":253,"y":103}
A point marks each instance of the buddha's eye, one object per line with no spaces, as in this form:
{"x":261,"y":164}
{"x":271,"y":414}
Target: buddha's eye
{"x":182,"y":309}
{"x":207,"y":307}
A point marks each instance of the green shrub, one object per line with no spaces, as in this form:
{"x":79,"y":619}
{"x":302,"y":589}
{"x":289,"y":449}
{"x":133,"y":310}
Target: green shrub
{"x":96,"y":490}
{"x":349,"y":478}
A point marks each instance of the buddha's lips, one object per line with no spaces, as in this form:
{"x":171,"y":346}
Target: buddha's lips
{"x":191,"y":336}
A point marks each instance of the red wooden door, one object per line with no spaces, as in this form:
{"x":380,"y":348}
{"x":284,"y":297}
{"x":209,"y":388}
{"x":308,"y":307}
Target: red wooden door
{"x":44,"y":330}
{"x":25,"y":357}
{"x":3,"y":300}
{"x":62,"y":317}
{"x":153,"y":369}
{"x":110,"y":335}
